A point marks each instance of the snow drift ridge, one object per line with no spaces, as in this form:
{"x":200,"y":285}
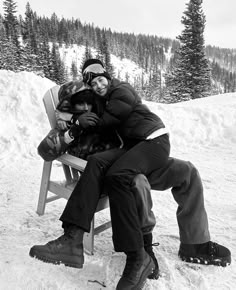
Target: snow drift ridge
{"x":24,"y":122}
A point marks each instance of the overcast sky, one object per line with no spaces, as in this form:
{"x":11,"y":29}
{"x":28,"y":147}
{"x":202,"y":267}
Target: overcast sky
{"x":158,"y":17}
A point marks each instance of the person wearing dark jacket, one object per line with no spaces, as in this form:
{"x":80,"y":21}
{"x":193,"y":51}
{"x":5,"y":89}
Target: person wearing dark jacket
{"x":150,"y":150}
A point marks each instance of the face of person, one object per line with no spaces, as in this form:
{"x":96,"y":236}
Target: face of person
{"x":100,"y":85}
{"x":82,"y":107}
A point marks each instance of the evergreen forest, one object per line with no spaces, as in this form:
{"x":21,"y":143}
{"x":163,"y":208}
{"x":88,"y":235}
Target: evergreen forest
{"x":177,"y":69}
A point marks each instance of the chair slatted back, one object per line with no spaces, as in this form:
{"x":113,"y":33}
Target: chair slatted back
{"x":50,"y":101}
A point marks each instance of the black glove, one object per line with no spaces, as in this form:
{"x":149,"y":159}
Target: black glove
{"x":75,"y":131}
{"x":85,"y":120}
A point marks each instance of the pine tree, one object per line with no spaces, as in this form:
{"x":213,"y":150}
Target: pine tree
{"x":2,"y":28}
{"x":74,"y":70}
{"x":190,"y":78}
{"x":103,"y":52}
{"x":106,"y":55}
{"x":62,"y":73}
{"x":44,"y":59}
{"x":155,"y":85}
{"x":8,"y":53}
{"x":28,"y":31}
{"x":58,"y":73}
{"x":10,"y":21}
{"x":99,"y":50}
{"x":87,"y":54}
{"x":9,"y":57}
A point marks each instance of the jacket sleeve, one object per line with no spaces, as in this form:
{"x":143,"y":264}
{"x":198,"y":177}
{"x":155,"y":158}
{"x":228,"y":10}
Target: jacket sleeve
{"x":118,"y":108}
{"x":53,"y":145}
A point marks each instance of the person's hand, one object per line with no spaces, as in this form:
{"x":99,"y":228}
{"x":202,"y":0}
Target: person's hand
{"x":85,"y":120}
{"x":62,"y":119}
{"x":63,"y":125}
{"x":75,"y":131}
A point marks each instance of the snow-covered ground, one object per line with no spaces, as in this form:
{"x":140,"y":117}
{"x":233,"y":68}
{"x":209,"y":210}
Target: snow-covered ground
{"x":202,"y":131}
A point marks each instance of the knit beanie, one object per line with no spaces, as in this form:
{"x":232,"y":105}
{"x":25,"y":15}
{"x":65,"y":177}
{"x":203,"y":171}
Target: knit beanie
{"x":93,"y":68}
{"x":66,"y":91}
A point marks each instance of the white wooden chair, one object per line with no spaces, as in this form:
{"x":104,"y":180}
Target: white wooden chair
{"x":73,"y":167}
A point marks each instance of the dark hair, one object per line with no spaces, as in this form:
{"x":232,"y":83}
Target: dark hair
{"x":83,"y":96}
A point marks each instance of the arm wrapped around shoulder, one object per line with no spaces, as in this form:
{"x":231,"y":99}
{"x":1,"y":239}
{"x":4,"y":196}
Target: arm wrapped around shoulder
{"x":63,"y":119}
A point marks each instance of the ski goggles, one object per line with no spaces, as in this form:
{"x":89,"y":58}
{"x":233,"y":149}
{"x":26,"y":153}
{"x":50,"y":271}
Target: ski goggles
{"x":89,"y":76}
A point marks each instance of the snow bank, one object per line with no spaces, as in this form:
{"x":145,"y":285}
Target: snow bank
{"x":205,"y":121}
{"x":202,"y":131}
{"x":22,"y":115}
{"x":24,"y":122}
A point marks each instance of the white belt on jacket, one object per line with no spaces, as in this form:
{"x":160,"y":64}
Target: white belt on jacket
{"x":158,"y":133}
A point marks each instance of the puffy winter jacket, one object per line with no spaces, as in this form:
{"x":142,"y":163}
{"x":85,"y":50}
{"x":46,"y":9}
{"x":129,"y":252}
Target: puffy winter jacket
{"x":125,"y":112}
{"x":89,"y":142}
{"x":53,"y":145}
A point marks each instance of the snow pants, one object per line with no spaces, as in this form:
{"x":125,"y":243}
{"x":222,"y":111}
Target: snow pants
{"x":181,"y":176}
{"x":185,"y":181}
{"x":83,"y":201}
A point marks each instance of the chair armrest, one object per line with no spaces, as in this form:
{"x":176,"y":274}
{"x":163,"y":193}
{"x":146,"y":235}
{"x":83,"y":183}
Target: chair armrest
{"x":72,"y":161}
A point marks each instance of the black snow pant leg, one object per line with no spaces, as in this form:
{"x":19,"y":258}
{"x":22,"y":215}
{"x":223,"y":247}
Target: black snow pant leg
{"x":143,"y":158}
{"x":126,"y":226}
{"x":83,"y":201}
{"x":142,"y":192}
{"x":187,"y":189}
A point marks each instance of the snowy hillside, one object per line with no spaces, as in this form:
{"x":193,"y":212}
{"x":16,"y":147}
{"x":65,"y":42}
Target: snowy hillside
{"x":121,"y":67}
{"x":202,"y":131}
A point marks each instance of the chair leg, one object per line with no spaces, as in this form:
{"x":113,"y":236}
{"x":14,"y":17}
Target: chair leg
{"x":67,"y":173}
{"x":47,"y":166}
{"x":89,"y":240}
{"x":75,"y":174}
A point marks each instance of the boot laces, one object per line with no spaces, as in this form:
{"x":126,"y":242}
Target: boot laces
{"x":150,"y":252}
{"x":149,"y":249}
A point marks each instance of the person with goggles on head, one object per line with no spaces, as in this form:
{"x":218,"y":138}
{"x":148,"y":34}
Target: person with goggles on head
{"x":149,"y":152}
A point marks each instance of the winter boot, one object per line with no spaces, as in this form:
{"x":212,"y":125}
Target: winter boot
{"x":67,"y":249}
{"x":208,"y":254}
{"x":147,"y":239}
{"x":138,"y":266}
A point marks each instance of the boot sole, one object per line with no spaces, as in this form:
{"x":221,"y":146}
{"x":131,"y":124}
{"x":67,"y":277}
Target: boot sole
{"x":62,"y":260}
{"x":223,"y":262}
